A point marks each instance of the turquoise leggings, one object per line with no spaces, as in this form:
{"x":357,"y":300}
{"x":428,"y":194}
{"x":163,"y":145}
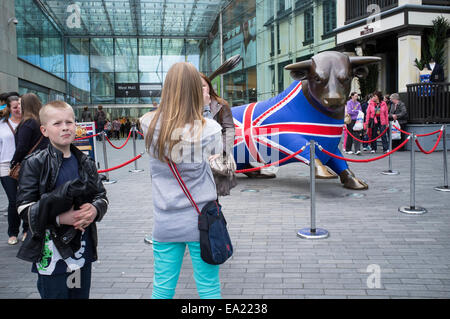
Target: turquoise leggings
{"x":168,"y":258}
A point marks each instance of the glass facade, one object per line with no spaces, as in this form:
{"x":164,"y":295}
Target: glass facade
{"x":268,"y":34}
{"x":39,"y":42}
{"x":117,"y":55}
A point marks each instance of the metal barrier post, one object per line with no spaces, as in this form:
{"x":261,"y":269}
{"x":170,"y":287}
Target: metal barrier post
{"x":135,"y":170}
{"x":390,"y":171}
{"x":412,"y":209}
{"x":105,"y":159}
{"x":444,"y":188}
{"x":312,"y":232}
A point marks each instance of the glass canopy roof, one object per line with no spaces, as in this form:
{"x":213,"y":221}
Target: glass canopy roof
{"x":158,"y":18}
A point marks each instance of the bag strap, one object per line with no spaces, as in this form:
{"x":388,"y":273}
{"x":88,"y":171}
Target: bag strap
{"x":10,"y":127}
{"x":36,"y":145}
{"x":176,"y":174}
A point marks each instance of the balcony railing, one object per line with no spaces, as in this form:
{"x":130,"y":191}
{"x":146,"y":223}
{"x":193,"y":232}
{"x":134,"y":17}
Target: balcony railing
{"x":428,"y":103}
{"x":357,"y":9}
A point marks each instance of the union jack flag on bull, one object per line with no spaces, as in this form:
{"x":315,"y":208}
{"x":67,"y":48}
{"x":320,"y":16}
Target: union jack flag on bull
{"x":276,"y":128}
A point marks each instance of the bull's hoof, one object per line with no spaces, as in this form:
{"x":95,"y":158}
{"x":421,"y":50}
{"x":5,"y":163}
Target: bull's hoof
{"x":351,"y":182}
{"x":258,"y":174}
{"x":322,"y":172}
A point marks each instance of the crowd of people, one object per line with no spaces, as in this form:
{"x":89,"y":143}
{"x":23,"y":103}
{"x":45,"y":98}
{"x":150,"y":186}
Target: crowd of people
{"x":117,"y":128}
{"x":58,"y":196}
{"x":374,"y":112}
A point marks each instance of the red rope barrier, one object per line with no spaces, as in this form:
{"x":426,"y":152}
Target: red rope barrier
{"x":121,"y":165}
{"x":433,"y":149}
{"x":370,"y":141}
{"x":140,"y":134}
{"x":364,"y":160}
{"x":418,"y":135}
{"x":404,"y":132}
{"x":428,"y":134}
{"x":118,"y":147}
{"x":271,"y":164}
{"x":86,"y":137}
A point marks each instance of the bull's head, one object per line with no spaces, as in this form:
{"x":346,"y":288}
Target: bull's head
{"x":328,"y":78}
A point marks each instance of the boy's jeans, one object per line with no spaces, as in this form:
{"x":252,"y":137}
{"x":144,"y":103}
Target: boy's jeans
{"x":60,"y":286}
{"x":168,"y":258}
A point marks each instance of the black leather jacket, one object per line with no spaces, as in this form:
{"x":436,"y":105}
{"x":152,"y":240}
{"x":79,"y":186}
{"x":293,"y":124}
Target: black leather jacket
{"x":39,"y":202}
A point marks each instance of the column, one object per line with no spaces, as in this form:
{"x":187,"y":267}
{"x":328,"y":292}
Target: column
{"x":403,"y":2}
{"x":447,"y":65}
{"x":8,"y":48}
{"x":409,"y":48}
{"x":340,"y":13}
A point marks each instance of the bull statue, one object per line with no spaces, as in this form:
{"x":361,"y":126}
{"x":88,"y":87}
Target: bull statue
{"x":311,"y":108}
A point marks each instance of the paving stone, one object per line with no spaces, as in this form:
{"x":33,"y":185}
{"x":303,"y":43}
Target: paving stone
{"x":270,"y":261}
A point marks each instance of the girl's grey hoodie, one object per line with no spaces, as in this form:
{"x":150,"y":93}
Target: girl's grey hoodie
{"x":174,"y":218}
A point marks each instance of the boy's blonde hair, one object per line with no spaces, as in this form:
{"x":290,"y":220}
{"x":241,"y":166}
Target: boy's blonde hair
{"x":53,"y":104}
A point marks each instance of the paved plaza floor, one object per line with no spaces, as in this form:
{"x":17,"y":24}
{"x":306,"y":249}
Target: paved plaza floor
{"x":373,"y":251}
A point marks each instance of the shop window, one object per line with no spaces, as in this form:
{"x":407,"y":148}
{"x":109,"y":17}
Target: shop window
{"x":309,"y":26}
{"x":329,"y":16}
{"x":272,"y":40}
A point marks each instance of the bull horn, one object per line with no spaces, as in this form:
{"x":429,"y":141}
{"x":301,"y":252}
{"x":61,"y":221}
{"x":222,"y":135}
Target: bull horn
{"x":363,"y":60}
{"x":299,"y":65}
{"x":228,"y":65}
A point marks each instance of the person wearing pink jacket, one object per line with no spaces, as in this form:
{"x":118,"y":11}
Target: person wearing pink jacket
{"x":377,"y":118}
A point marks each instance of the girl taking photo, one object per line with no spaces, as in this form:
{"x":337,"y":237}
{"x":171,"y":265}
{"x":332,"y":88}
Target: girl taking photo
{"x":178,"y":132}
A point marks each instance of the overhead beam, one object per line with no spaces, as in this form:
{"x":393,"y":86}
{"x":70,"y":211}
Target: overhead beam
{"x":107,"y":17}
{"x":191,"y":17}
{"x":135,"y":13}
{"x":163,"y":17}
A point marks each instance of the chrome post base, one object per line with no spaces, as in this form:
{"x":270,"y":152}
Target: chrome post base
{"x":412,"y":210}
{"x":307,"y":233}
{"x":390,"y":172}
{"x":442,"y":189}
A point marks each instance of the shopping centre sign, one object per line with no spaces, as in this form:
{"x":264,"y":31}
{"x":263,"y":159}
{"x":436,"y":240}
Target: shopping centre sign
{"x":138,"y":90}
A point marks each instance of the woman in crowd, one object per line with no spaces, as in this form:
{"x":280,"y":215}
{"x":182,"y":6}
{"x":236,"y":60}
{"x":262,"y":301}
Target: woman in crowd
{"x":107,"y":128}
{"x":388,"y":102}
{"x":11,"y":118}
{"x":219,"y":110}
{"x":353,"y":108}
{"x":175,"y":132}
{"x":377,"y":121}
{"x":28,"y":134}
{"x":398,"y":112}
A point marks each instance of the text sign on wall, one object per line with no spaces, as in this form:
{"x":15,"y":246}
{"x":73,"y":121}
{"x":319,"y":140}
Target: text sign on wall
{"x":138,"y":90}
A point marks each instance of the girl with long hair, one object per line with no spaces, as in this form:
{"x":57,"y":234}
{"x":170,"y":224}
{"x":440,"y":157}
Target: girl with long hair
{"x":219,"y":110}
{"x":178,"y":132}
{"x":28,"y":133}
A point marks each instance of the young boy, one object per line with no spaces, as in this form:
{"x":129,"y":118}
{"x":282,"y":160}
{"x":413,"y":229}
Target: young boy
{"x":62,"y":197}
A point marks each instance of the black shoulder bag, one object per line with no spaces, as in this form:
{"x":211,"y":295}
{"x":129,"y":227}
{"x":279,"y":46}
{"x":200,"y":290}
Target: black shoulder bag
{"x":215,"y":242}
